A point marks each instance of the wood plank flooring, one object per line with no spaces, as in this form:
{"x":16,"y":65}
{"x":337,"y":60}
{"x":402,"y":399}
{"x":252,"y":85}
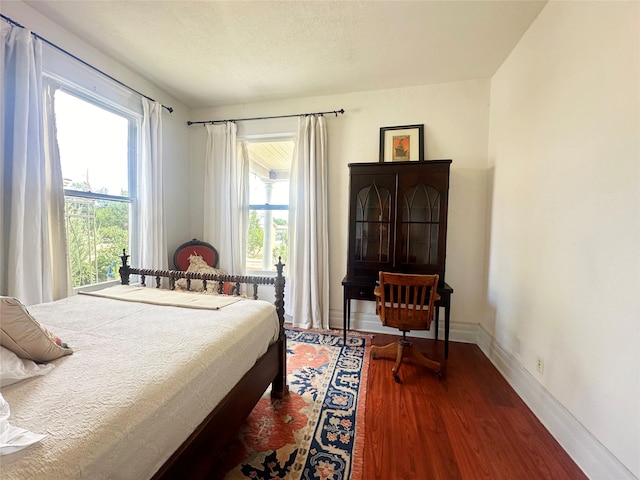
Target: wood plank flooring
{"x":469,"y":425}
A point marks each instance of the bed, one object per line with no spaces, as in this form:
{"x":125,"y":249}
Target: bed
{"x":184,"y":391}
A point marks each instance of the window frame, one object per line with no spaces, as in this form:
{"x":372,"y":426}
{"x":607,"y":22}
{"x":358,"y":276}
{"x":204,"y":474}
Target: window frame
{"x":248,"y":139}
{"x":134,"y":121}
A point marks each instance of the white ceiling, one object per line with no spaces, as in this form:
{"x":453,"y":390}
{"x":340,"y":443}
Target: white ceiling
{"x":214,"y":53}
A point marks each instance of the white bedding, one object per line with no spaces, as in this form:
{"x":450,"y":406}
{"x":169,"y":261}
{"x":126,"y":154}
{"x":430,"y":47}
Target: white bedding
{"x":142,"y":377}
{"x":158,"y":296}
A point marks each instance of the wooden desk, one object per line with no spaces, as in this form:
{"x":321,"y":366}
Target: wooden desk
{"x":361,"y":288}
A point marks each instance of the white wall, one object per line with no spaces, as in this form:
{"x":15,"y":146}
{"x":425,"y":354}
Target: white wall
{"x":564,"y":250}
{"x":455,"y":116}
{"x":560,"y":231}
{"x":175,"y":132}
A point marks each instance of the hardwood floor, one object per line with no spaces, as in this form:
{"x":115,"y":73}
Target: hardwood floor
{"x":468,"y":425}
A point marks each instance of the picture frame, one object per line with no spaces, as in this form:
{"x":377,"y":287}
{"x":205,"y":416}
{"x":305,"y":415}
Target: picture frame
{"x":402,"y":143}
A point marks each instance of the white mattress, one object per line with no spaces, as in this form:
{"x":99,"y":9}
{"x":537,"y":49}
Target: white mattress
{"x":142,"y":377}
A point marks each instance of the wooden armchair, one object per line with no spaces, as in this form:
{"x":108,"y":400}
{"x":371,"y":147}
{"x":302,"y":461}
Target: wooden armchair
{"x":406,"y":302}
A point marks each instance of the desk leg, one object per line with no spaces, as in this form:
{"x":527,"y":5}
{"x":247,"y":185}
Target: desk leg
{"x":446,"y":331}
{"x":437,"y":320}
{"x":346,"y":313}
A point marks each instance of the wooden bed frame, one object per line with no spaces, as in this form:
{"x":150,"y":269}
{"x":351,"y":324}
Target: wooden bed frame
{"x":196,"y":457}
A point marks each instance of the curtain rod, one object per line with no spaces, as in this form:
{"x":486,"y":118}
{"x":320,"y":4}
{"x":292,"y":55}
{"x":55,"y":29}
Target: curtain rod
{"x":13,"y":22}
{"x":335,"y":112}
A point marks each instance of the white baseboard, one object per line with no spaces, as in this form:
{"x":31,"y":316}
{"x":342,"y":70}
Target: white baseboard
{"x":589,"y":454}
{"x":370,"y":323}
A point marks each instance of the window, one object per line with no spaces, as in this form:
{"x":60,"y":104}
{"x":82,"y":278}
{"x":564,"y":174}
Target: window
{"x":97,"y":154}
{"x":268,"y":231}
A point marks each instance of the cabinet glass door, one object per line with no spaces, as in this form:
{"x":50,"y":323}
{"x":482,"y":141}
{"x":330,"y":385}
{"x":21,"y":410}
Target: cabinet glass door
{"x":420,"y":225}
{"x":372,"y":228}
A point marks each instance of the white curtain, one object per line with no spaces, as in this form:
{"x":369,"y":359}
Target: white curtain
{"x":226,"y":201}
{"x":151,"y":244}
{"x":308,"y":227}
{"x":33,"y":247}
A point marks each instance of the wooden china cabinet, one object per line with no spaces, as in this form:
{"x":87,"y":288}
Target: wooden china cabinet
{"x":397,"y":223}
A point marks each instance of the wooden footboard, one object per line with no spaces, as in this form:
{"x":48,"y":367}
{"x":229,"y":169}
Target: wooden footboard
{"x":196,"y":456}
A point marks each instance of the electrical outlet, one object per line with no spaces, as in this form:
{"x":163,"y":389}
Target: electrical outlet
{"x":540,"y":365}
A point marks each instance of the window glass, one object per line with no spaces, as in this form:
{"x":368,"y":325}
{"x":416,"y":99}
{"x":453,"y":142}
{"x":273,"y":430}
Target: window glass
{"x":93,"y":145}
{"x":261,"y":189}
{"x":96,"y":231}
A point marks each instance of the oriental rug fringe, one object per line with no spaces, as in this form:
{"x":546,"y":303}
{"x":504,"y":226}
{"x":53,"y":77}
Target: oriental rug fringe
{"x":317,"y":431}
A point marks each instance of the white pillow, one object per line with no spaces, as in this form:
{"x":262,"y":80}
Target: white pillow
{"x":24,"y":336}
{"x":13,"y":368}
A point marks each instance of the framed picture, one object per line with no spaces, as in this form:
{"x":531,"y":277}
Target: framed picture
{"x":399,"y":144}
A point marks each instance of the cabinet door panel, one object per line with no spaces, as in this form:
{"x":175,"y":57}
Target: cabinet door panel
{"x":419,"y":223}
{"x":419,"y":244}
{"x":422,"y":217}
{"x":373,"y":216}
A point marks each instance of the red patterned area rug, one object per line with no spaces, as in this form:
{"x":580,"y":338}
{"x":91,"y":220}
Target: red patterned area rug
{"x":317,"y":431}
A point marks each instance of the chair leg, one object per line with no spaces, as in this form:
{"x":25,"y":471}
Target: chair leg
{"x":403,"y":348}
{"x":388,"y":351}
{"x":402,"y":343}
{"x":421,"y":359}
{"x":392,"y":351}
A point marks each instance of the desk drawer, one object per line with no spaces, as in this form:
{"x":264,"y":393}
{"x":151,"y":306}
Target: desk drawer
{"x":360,"y":292}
